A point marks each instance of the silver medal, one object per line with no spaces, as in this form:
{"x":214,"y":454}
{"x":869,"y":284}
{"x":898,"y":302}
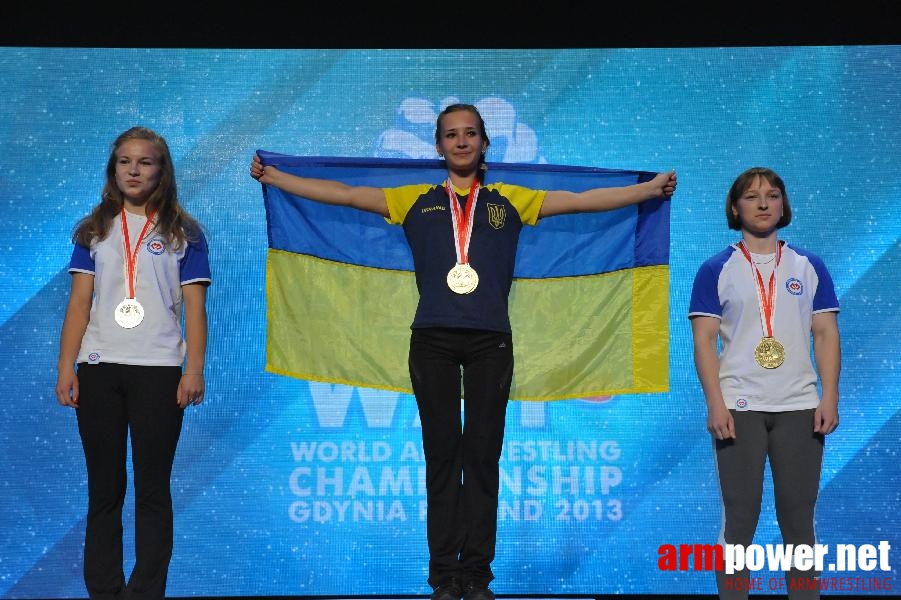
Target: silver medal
{"x":129,"y":313}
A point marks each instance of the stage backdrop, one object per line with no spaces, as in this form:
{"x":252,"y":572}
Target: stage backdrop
{"x":288,"y":487}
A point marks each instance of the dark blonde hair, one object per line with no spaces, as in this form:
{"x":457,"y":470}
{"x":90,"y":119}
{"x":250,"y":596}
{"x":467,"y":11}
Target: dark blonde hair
{"x":741,"y":185}
{"x":172,"y":221}
{"x":452,"y":108}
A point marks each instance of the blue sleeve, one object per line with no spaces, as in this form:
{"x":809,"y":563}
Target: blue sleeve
{"x":195,"y":264}
{"x":824,"y":299}
{"x":81,"y":261}
{"x":704,"y":297}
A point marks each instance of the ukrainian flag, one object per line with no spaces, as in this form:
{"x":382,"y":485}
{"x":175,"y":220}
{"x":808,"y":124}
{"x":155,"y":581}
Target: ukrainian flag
{"x":589,"y":304}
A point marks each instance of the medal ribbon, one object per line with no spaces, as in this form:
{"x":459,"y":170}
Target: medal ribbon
{"x":766,"y":295}
{"x":462,"y":222}
{"x":131,"y":258}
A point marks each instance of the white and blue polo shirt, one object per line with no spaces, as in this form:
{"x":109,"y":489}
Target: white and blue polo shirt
{"x":161,"y":273}
{"x":725,"y":287}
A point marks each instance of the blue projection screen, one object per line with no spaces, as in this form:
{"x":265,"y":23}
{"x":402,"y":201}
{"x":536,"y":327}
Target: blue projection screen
{"x":287,"y":487}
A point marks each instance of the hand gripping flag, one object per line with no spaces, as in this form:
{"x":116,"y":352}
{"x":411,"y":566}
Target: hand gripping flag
{"x":589,"y":305}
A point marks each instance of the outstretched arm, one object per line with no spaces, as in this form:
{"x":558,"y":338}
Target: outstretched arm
{"x":558,"y":202}
{"x":371,"y":199}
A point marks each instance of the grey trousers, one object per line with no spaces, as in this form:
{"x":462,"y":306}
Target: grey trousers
{"x":795,"y":455}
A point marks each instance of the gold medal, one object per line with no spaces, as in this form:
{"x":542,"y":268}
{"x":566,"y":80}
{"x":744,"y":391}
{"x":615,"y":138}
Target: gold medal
{"x":129,"y":313}
{"x":462,"y":279}
{"x":769,"y":353}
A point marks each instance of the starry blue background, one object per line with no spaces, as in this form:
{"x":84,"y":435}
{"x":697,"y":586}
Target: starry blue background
{"x":825,"y":117}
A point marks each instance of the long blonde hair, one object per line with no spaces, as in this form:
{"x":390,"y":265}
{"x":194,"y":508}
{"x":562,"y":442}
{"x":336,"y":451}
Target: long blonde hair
{"x":172,"y":221}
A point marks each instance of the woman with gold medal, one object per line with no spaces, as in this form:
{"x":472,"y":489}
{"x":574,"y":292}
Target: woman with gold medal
{"x":463,"y":261}
{"x":763,"y":300}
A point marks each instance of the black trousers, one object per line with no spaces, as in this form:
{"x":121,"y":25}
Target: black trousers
{"x":462,"y":475}
{"x":115,"y":400}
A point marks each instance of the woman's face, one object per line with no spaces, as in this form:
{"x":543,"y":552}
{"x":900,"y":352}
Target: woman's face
{"x":759,"y":208}
{"x":461,"y":142}
{"x":138,"y":170}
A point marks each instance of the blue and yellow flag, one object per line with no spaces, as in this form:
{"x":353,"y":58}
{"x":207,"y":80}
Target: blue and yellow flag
{"x":589,"y":304}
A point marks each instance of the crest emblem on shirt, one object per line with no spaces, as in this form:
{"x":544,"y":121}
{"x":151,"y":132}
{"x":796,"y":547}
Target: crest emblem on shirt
{"x":156,"y":246}
{"x":794,"y":286}
{"x":497,"y":215}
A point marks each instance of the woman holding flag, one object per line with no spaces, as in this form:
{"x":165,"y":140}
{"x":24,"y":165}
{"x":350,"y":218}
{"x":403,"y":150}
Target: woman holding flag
{"x":463,"y":236}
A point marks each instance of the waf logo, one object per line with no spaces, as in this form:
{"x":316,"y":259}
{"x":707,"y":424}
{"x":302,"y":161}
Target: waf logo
{"x":794,"y":286}
{"x":156,"y":246}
